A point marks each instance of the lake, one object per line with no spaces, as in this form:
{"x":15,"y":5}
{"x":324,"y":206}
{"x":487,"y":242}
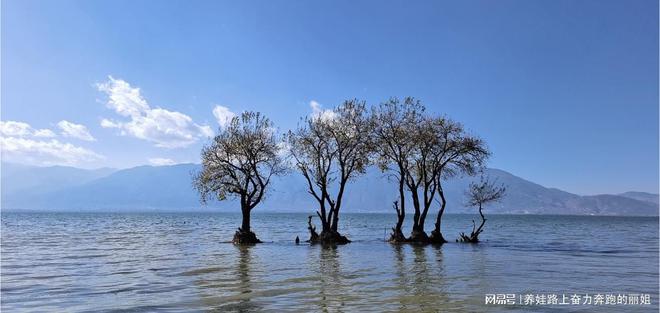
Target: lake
{"x":183,"y":262}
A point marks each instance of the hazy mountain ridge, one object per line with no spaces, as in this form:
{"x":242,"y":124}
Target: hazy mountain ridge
{"x":170,"y":188}
{"x":642,"y":196}
{"x":18,"y":177}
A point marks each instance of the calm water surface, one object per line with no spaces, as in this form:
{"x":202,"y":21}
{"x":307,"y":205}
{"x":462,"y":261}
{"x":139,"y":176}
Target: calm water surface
{"x":77,"y":262}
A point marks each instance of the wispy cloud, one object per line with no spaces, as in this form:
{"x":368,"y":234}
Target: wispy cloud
{"x":73,"y":130}
{"x":161,"y":161}
{"x":319,"y":112}
{"x":20,"y":129}
{"x":164,"y":128}
{"x":23,"y":144}
{"x":223,"y":115}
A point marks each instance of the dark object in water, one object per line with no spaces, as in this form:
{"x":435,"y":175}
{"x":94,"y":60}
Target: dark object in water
{"x":297,"y":240}
{"x":330,"y":237}
{"x":243,"y":237}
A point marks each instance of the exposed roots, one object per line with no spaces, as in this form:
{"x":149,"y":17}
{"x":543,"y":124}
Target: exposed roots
{"x":245,"y":238}
{"x":397,"y":236}
{"x":418,"y":237}
{"x":474,"y":235}
{"x":330,"y":238}
{"x":472,"y":238}
{"x":313,"y":235}
{"x":437,"y":238}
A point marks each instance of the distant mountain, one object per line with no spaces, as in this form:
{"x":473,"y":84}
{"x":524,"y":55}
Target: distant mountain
{"x":143,"y":188}
{"x":17,"y":177}
{"x":169,"y":188}
{"x":642,"y":196}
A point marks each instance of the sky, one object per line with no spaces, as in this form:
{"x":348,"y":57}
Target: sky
{"x":565,"y":93}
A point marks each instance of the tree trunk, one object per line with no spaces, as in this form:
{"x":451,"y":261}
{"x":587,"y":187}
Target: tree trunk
{"x":417,"y":235}
{"x":328,"y":236}
{"x":397,"y":234}
{"x":483,"y":221}
{"x":325,"y":225}
{"x":245,"y":225}
{"x":436,"y":234}
{"x":244,"y":235}
{"x":474,"y":236}
{"x":313,"y":235}
{"x":335,"y":220}
{"x":417,"y":210}
{"x":402,"y":207}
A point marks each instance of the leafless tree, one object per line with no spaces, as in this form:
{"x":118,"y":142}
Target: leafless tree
{"x":457,"y":154}
{"x":421,"y":176}
{"x":239,"y":163}
{"x":331,"y":149}
{"x":421,"y":150}
{"x":394,"y":122}
{"x":479,"y":194}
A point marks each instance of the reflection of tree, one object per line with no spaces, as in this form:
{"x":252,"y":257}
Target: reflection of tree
{"x":402,"y":280}
{"x":482,"y":282}
{"x":243,"y":278}
{"x":420,"y":271}
{"x":421,"y":284}
{"x":230,"y":287}
{"x":439,"y":278}
{"x":243,"y":272}
{"x":331,"y":291}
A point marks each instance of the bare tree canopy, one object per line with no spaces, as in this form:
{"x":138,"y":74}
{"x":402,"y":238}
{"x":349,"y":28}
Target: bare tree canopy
{"x":458,"y":153}
{"x":420,"y":150}
{"x":330,"y":150}
{"x":483,"y":192}
{"x":394,"y":122}
{"x":422,"y":172}
{"x":239,"y":163}
{"x":478,"y":194}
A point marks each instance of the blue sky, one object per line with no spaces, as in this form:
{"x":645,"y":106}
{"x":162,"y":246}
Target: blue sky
{"x":564,"y":92}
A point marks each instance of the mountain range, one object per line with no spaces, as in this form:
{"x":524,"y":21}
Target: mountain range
{"x":169,"y":188}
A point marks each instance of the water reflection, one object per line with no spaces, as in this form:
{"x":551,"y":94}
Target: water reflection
{"x":243,"y":275}
{"x":401,"y":274}
{"x":174,"y":263}
{"x":421,"y":283}
{"x":232,"y":288}
{"x":331,"y":287}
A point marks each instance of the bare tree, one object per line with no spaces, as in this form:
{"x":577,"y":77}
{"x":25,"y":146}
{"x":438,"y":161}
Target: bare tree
{"x":479,"y":194}
{"x":330,"y":150}
{"x":394,"y":122}
{"x":239,"y":163}
{"x":457,"y":154}
{"x":421,"y":176}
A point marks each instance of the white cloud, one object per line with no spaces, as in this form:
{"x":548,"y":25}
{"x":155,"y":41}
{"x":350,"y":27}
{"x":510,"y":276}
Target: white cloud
{"x":75,"y":130}
{"x":161,"y":161}
{"x":106,"y":123}
{"x":164,"y":128}
{"x":319,"y":112}
{"x":38,"y":152}
{"x":44,"y":133}
{"x":21,"y":143}
{"x":20,"y":129}
{"x":223,"y":115}
{"x":123,"y":98}
{"x":12,"y":128}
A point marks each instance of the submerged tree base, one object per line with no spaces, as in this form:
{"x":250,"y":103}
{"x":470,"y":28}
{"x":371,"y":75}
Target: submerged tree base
{"x":437,"y":238}
{"x":472,"y":238}
{"x":397,"y":236}
{"x":245,"y":238}
{"x":419,"y":237}
{"x":328,"y":238}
